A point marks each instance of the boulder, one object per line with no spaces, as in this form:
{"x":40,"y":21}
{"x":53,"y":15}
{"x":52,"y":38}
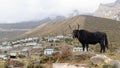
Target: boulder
{"x":100,"y":59}
{"x":115,"y":63}
{"x":68,"y":65}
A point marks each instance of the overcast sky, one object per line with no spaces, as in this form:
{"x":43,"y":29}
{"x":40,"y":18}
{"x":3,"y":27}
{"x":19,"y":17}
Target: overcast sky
{"x":12,"y":11}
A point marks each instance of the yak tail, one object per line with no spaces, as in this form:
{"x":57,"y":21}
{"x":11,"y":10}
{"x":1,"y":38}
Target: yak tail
{"x":106,"y":41}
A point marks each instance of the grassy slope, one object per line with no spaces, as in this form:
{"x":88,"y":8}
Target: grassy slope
{"x":58,"y":27}
{"x":111,"y":27}
{"x":4,"y":35}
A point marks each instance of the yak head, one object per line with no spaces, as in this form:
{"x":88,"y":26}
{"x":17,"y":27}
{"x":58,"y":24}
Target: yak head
{"x":75,"y":33}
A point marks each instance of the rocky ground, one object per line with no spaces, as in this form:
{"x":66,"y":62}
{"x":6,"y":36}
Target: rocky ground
{"x":96,"y":61}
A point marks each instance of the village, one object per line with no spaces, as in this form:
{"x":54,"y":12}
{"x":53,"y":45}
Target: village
{"x":34,"y":47}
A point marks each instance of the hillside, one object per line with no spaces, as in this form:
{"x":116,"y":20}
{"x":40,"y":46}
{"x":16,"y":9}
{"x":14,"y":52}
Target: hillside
{"x":58,"y":27}
{"x":111,"y":27}
{"x":10,"y":31}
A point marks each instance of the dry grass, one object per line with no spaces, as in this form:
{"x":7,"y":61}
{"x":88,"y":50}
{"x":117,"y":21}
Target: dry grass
{"x":58,"y":27}
{"x":2,"y":64}
{"x":111,"y":27}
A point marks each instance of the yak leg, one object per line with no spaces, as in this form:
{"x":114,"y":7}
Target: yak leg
{"x":102,"y":47}
{"x":87,"y":47}
{"x":83,"y":46}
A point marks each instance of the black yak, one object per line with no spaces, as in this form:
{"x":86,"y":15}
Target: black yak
{"x":85,"y":38}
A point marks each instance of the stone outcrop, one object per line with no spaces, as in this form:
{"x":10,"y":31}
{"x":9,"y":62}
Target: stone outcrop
{"x":115,"y":63}
{"x":110,"y":11}
{"x":99,"y":59}
{"x":68,"y":65}
{"x":103,"y":60}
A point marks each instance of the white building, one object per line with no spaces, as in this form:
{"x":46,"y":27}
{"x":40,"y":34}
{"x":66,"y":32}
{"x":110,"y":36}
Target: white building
{"x":4,"y":43}
{"x":60,"y":37}
{"x":52,"y":39}
{"x":5,"y":47}
{"x":48,"y":51}
{"x":14,"y":54}
{"x":37,"y":46}
{"x":17,"y":45}
{"x":78,"y":49}
{"x":1,"y":47}
{"x":3,"y":56}
{"x":25,"y":49}
{"x":31,"y":44}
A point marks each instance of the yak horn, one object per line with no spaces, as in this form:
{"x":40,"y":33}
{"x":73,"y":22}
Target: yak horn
{"x":78,"y":26}
{"x":70,"y":27}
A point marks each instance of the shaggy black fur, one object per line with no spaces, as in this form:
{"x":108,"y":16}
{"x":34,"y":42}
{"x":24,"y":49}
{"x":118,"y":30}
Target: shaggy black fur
{"x":85,"y":38}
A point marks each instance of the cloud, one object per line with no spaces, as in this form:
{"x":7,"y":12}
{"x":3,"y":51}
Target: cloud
{"x":25,"y":10}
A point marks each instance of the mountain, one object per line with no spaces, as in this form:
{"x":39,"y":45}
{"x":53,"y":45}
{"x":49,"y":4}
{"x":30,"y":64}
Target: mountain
{"x":24,"y":25}
{"x":110,"y":10}
{"x":118,"y":1}
{"x":29,"y":24}
{"x":9,"y":31}
{"x":91,"y":23}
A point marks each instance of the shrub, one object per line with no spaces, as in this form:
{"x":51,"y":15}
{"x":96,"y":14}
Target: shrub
{"x":69,"y":41}
{"x":30,"y":64}
{"x":38,"y":66}
{"x":64,"y":54}
{"x":6,"y":65}
{"x":21,"y":56}
{"x":34,"y":65}
{"x":44,"y":59}
{"x":18,"y":64}
{"x":14,"y":63}
{"x":107,"y":66}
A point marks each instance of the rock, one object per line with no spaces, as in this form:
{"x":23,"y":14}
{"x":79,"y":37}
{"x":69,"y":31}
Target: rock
{"x":104,"y":60}
{"x":68,"y":65}
{"x":99,"y":59}
{"x":10,"y":66}
{"x":115,"y":63}
{"x":110,"y":11}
